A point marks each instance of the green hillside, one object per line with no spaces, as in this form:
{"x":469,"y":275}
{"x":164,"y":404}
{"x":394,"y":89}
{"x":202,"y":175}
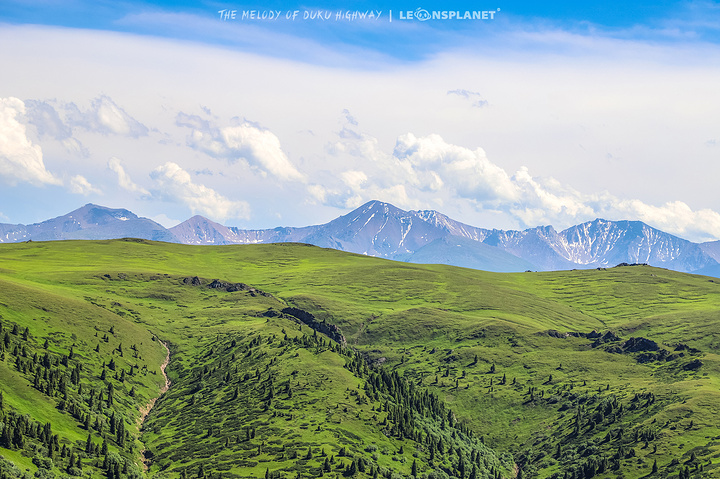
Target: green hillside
{"x":292,"y":361}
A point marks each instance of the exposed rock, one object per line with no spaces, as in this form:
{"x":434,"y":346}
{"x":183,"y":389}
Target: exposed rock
{"x":194,"y":281}
{"x":685,"y":347}
{"x":272,"y":313}
{"x":330,"y":330}
{"x":647,"y":357}
{"x":239,"y":287}
{"x":608,"y":337}
{"x":634,"y":345}
{"x":693,"y":365}
{"x":217,"y":284}
{"x":600,"y":338}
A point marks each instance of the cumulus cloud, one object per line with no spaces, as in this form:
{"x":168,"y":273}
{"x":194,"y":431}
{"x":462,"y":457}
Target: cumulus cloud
{"x":318,"y":193}
{"x":106,"y":117}
{"x":469,"y":172}
{"x":674,"y":217}
{"x":247,"y":142}
{"x":175,"y":184}
{"x":20,"y":159}
{"x":424,"y":171}
{"x":81,"y":186}
{"x":261,"y":147}
{"x":369,"y":173}
{"x":124,"y":179}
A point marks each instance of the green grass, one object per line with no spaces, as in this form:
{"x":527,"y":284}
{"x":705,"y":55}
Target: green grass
{"x":422,"y":320}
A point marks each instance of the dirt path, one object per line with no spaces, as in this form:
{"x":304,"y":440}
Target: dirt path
{"x":145,"y":410}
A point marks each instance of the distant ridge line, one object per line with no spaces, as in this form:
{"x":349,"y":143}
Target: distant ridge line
{"x":423,"y":236}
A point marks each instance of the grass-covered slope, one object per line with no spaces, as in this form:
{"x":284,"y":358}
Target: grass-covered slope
{"x":600,"y":373}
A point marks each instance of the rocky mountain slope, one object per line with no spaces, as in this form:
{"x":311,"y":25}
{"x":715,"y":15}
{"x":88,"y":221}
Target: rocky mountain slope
{"x":383,"y":230}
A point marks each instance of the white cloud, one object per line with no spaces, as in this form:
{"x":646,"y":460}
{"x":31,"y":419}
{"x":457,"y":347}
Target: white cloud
{"x":20,"y":159}
{"x":354,"y":179}
{"x":124,"y":179}
{"x":468,"y":172}
{"x":81,"y":186}
{"x":258,"y":147}
{"x":557,"y":109}
{"x":175,"y":184}
{"x":427,"y":171}
{"x":318,"y":193}
{"x":674,"y":217}
{"x":105,"y":116}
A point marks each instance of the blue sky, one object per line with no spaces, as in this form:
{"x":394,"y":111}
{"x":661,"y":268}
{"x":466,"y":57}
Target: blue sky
{"x":657,"y":21}
{"x":548,"y":113}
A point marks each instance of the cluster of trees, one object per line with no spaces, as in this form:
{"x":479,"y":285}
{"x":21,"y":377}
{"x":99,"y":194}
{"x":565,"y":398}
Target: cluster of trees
{"x":90,"y":400}
{"x":249,"y":377}
{"x":622,"y":422}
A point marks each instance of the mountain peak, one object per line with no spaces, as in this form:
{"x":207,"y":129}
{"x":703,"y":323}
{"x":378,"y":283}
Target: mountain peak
{"x":378,"y":228}
{"x":198,"y":219}
{"x":377,"y":206}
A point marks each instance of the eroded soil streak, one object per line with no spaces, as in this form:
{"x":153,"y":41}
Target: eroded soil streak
{"x":145,"y":410}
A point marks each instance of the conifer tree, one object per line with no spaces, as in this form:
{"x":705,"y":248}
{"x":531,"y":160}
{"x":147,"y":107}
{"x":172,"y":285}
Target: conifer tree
{"x":352,"y":468}
{"x":89,"y":444}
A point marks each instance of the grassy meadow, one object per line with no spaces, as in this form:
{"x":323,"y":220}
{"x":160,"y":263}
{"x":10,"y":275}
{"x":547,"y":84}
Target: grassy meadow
{"x":443,"y":371}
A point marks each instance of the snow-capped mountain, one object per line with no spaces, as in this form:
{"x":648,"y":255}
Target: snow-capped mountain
{"x":89,"y":222}
{"x":607,"y":243}
{"x":383,"y":230}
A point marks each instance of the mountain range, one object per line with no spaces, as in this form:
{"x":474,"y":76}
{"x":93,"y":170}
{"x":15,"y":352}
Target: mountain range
{"x":383,"y":230}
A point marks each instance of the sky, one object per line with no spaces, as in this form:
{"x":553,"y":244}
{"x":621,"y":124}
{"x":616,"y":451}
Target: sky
{"x":276,"y":113}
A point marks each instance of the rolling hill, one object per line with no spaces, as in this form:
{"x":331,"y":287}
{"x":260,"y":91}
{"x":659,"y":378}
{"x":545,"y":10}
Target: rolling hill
{"x":289,"y":360}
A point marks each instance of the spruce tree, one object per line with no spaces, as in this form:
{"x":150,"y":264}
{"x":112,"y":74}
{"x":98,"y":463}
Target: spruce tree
{"x":89,"y":445}
{"x":352,"y":468}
